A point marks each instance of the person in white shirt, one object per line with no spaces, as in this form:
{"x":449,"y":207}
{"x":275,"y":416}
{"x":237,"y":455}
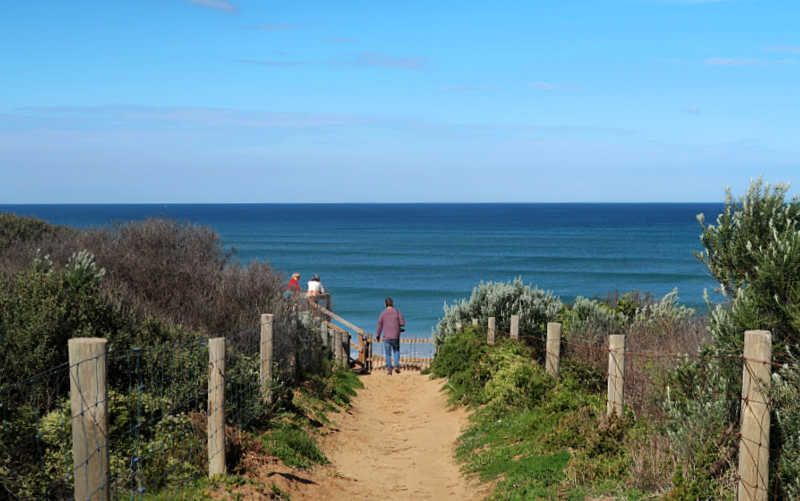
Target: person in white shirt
{"x":315,"y":286}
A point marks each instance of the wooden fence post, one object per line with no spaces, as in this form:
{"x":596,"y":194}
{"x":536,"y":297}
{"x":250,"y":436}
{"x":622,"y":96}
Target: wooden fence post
{"x":369,"y":354}
{"x":87,"y":383}
{"x":362,"y":348}
{"x":323,"y":332}
{"x":490,"y":332}
{"x":515,"y":327}
{"x":754,"y":441}
{"x":459,"y":326}
{"x":553,"y":349}
{"x":616,"y":373}
{"x":475,"y":322}
{"x":216,"y":406}
{"x":265,"y":349}
{"x":337,"y":347}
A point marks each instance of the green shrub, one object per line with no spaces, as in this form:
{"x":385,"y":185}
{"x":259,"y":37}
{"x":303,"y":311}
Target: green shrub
{"x":459,"y":356}
{"x":513,"y":381}
{"x":40,"y":309}
{"x":16,"y":229}
{"x":753,"y":251}
{"x":602,"y":456}
{"x":589,"y":321}
{"x":293,"y":445}
{"x":501,"y":300}
{"x":785,"y":435}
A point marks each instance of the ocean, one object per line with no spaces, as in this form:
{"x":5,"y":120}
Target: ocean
{"x":424,"y":255}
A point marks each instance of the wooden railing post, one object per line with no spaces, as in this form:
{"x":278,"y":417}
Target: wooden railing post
{"x":459,"y":327}
{"x":475,"y":322}
{"x":616,"y":373}
{"x":490,"y":332}
{"x":323,"y":332}
{"x":754,"y":441}
{"x":87,"y":382}
{"x":216,"y":406}
{"x":515,"y":327}
{"x":337,"y":347}
{"x":362,"y":349}
{"x":265,"y":352}
{"x":553,"y":347}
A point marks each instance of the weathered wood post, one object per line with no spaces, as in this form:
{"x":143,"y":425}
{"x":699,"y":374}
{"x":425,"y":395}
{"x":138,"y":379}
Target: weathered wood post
{"x":616,"y":373}
{"x":265,"y":351}
{"x":553,"y":348}
{"x":490,"y":332}
{"x":338,"y":350}
{"x":515,"y":327}
{"x":369,"y":354}
{"x":216,"y":406}
{"x":475,"y":322}
{"x":459,"y":326}
{"x":362,"y":348}
{"x":754,"y":441}
{"x":87,"y":384}
{"x":323,"y":332}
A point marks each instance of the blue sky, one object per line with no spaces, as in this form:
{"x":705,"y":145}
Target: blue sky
{"x":255,"y":101}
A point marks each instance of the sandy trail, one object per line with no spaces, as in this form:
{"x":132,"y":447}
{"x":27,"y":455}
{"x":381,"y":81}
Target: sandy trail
{"x":396,"y":443}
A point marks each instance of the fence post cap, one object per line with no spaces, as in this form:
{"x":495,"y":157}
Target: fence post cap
{"x":87,"y":340}
{"x":758,"y":333}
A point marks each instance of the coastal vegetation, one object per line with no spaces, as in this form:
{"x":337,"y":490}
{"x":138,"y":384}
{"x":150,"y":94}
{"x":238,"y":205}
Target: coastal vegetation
{"x":156,"y":290}
{"x":540,"y":437}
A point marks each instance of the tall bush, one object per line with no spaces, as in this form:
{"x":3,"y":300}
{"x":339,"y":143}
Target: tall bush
{"x":535,"y":307}
{"x":753,"y":251}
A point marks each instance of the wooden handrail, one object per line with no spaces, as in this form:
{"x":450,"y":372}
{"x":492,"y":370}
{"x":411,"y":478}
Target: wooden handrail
{"x":337,"y":328}
{"x":334,"y":316}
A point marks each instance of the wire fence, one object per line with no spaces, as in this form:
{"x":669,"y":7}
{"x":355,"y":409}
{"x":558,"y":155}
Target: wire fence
{"x":125,"y":423}
{"x":717,"y":401}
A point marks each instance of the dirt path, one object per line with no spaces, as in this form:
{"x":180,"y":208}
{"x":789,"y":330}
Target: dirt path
{"x":396,"y":443}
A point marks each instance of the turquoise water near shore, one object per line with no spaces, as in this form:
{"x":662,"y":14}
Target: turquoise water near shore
{"x":425,"y":254}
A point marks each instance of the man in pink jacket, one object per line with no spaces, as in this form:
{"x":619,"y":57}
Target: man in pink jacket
{"x":390,"y":324}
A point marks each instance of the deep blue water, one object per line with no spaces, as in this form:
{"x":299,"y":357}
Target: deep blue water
{"x":425,"y":254}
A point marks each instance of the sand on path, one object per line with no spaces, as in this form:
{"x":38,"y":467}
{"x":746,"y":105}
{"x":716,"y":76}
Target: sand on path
{"x":397,"y":442}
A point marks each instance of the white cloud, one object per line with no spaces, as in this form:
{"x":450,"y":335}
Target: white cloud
{"x":223,"y":5}
{"x":376,"y":59}
{"x":468,"y":88}
{"x":274,"y":27}
{"x":791,"y":49}
{"x":731,"y":61}
{"x":261,"y":62}
{"x":543,"y":86}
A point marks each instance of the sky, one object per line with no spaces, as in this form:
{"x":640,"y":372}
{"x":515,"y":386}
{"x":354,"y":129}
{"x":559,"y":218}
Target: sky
{"x":159,"y":101}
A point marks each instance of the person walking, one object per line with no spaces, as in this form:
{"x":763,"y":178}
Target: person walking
{"x":390,"y":324}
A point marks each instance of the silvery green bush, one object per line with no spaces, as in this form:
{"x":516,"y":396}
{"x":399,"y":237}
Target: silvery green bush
{"x":668,"y":310}
{"x":786,"y":398}
{"x":589,"y":321}
{"x":535,"y":307}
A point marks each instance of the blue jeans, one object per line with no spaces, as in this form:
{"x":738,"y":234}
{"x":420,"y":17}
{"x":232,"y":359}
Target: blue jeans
{"x":392,"y":346}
